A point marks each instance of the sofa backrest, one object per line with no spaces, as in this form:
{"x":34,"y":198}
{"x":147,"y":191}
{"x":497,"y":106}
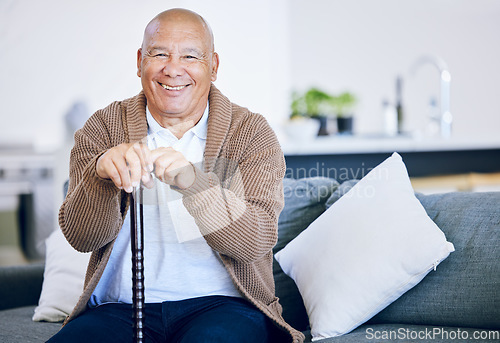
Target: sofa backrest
{"x":464,"y":291}
{"x":20,"y":285}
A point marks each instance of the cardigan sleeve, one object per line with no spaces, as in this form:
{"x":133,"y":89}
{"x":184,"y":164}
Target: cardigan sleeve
{"x":90,"y":216}
{"x":237,"y":207}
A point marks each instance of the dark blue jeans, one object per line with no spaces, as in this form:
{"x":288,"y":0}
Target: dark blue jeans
{"x":215,"y":319}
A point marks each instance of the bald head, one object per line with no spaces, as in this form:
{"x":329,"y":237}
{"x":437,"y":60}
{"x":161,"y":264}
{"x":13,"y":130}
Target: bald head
{"x":179,"y":16}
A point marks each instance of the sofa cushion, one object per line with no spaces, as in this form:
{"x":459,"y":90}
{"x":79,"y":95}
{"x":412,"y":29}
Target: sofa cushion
{"x":371,"y":246}
{"x":17,"y":326}
{"x":465,"y":289}
{"x":304,"y":202}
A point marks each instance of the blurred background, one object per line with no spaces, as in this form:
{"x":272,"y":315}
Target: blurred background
{"x":60,"y":61}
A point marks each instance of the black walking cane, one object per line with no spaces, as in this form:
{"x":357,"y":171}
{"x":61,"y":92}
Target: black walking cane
{"x":137,"y":240}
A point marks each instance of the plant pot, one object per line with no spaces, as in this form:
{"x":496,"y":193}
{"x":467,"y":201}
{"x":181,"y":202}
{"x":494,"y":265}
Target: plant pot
{"x":345,"y":125}
{"x":302,"y":129}
{"x":323,"y":126}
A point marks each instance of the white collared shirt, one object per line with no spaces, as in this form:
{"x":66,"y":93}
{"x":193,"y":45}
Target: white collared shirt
{"x":163,"y":137}
{"x":178,"y":262}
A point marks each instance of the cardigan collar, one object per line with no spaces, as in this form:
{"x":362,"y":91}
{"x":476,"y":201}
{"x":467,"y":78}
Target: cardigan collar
{"x":134,"y":121}
{"x":219,"y":121}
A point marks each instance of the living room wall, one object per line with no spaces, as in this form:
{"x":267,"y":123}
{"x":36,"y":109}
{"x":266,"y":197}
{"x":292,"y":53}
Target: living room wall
{"x":56,"y":53}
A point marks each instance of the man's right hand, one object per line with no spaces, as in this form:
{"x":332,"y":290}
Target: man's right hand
{"x":126,"y":164}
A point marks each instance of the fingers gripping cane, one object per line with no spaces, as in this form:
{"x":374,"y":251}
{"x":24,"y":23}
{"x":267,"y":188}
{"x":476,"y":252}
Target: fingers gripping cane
{"x":137,"y":240}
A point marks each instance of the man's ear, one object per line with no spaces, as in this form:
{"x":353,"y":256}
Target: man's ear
{"x":139,"y":61}
{"x":215,"y":65}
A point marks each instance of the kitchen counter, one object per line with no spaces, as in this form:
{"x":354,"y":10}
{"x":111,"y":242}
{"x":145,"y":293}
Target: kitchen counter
{"x":348,"y":157}
{"x":356,"y":144}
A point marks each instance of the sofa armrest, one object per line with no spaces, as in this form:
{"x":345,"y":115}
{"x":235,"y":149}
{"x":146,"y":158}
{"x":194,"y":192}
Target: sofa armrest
{"x":20,"y":285}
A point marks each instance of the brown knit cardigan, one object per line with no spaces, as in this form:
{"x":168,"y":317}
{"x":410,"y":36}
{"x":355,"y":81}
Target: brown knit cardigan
{"x":236,"y":199}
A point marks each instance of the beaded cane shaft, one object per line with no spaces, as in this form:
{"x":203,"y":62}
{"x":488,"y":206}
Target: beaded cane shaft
{"x":137,"y":239}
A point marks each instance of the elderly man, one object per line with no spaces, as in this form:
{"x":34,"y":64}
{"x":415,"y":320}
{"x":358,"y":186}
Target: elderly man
{"x":208,"y":275}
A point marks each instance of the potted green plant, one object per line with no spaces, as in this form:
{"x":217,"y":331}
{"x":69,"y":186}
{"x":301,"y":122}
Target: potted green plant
{"x":343,"y":105}
{"x":315,"y":104}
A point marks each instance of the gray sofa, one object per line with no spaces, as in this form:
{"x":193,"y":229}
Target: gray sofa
{"x":459,"y":301}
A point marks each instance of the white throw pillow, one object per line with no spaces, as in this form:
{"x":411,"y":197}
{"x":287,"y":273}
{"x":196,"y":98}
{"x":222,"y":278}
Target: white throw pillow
{"x":62,"y":279}
{"x":374,"y":244}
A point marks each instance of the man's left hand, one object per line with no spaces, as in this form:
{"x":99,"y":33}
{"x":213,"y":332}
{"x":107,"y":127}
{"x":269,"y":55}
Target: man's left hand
{"x":171,"y":167}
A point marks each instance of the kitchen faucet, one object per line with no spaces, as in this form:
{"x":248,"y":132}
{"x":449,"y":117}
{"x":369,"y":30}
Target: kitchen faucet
{"x":445,"y":118}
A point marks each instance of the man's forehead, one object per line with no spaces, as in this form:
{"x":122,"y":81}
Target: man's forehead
{"x":189,"y":26}
{"x":176,"y":40}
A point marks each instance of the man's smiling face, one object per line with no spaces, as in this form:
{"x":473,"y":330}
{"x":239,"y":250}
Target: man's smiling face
{"x":176,"y":65}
